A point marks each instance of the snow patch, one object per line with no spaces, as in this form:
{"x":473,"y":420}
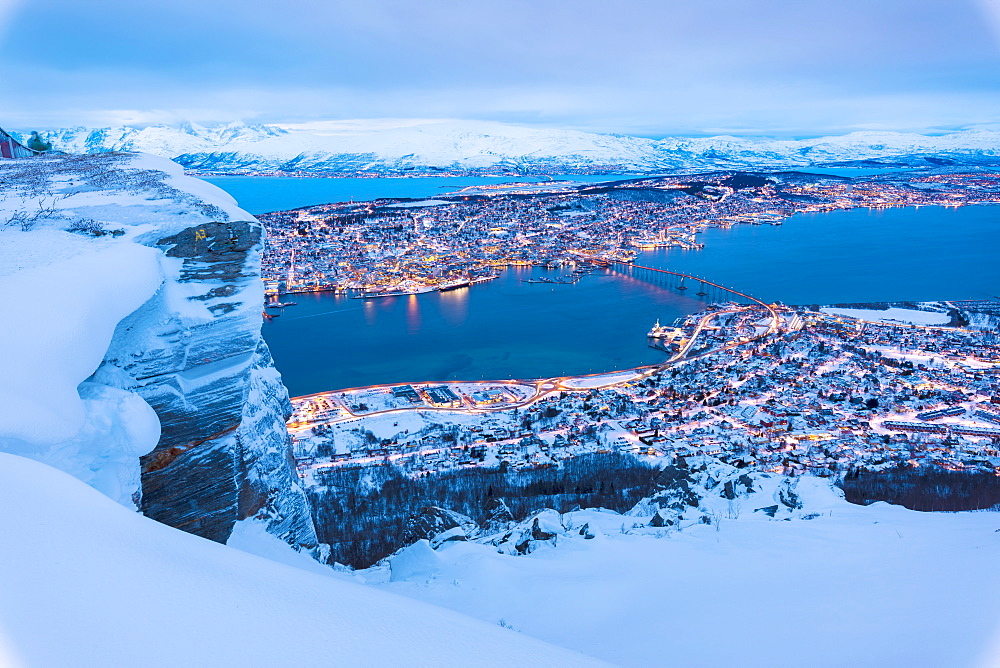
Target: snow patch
{"x":415,"y":561}
{"x":893,"y":314}
{"x":65,"y":316}
{"x":250,"y":535}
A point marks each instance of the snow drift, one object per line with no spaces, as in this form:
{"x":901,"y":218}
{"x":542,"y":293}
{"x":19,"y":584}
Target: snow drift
{"x":120,"y":589}
{"x":769,"y":571}
{"x":132,"y":347}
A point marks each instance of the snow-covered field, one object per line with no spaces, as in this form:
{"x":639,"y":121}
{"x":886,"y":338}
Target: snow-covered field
{"x":85,"y":582}
{"x":855,"y":586}
{"x":893,"y":314}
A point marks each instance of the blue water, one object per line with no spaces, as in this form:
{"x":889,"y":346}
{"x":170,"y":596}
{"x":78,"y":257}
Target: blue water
{"x":509,"y":329}
{"x":263,"y":194}
{"x":501,"y":329}
{"x":857,"y":255}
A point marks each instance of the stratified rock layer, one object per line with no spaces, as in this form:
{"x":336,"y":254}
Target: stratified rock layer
{"x":193,"y":351}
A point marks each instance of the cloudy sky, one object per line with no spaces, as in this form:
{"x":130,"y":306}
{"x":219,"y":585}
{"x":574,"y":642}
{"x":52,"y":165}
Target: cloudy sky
{"x":650,"y":67}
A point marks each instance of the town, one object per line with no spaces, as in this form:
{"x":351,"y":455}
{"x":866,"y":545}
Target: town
{"x":779,"y":389}
{"x":392,"y":247}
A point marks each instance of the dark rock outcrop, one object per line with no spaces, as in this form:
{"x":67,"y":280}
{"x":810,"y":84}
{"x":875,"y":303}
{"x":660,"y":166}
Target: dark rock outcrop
{"x":439,"y":525}
{"x":498,"y":517}
{"x":542,"y":528}
{"x":194,"y":352}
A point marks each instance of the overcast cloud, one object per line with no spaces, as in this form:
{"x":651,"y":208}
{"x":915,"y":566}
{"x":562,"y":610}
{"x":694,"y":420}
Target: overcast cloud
{"x":654,"y":67}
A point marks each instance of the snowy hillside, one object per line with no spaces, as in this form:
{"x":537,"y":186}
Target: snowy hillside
{"x":85,"y":582}
{"x":408,"y":146}
{"x":827,"y":583}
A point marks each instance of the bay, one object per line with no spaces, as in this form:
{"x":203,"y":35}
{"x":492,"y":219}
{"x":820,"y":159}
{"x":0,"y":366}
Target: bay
{"x":510,"y":329}
{"x":857,"y":255}
{"x":501,"y":329}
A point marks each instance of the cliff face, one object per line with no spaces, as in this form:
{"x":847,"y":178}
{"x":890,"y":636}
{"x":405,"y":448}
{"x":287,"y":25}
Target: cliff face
{"x":192,"y":351}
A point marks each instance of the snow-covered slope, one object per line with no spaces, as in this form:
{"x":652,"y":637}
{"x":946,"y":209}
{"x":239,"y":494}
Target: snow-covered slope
{"x":131,"y":343}
{"x":406,"y":146}
{"x":85,"y":582}
{"x":827,"y":583}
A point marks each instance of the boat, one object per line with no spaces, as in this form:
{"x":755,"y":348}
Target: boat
{"x":279,"y":304}
{"x":658,"y":331}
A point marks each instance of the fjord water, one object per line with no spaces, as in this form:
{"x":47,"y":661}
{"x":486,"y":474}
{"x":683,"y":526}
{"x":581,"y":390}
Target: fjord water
{"x":509,"y":329}
{"x":858,"y":255}
{"x":263,"y":194}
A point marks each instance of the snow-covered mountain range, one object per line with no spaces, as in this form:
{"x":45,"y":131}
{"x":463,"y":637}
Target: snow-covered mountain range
{"x":394,"y":147}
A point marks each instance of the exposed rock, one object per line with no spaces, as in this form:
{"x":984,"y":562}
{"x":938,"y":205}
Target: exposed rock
{"x":498,"y":517}
{"x":439,"y":525}
{"x":193,"y":351}
{"x":661,"y":519}
{"x":542,"y":528}
{"x":787,"y":496}
{"x":676,"y":493}
{"x":770,"y":511}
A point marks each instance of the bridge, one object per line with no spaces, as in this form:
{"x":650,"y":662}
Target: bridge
{"x":11,"y":148}
{"x":697,"y":288}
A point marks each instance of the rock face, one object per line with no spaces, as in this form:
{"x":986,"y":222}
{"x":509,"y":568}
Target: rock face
{"x":498,"y":517}
{"x":193,"y":351}
{"x":439,"y":526}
